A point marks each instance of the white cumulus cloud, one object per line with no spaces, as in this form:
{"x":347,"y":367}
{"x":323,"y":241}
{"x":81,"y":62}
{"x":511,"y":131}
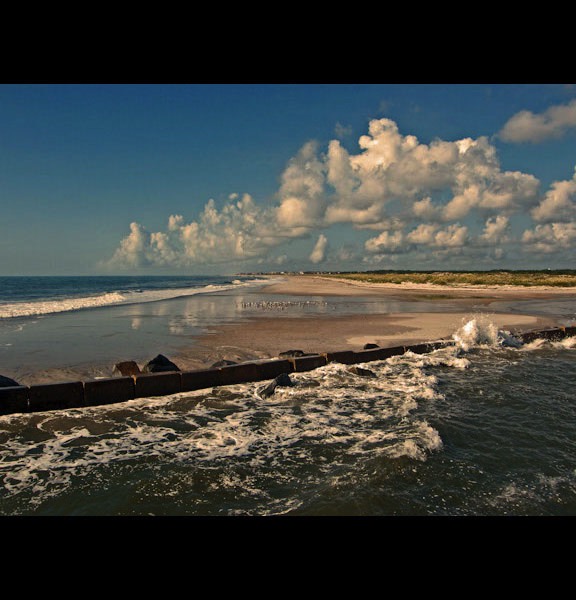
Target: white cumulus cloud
{"x":527,"y":126}
{"x":496,"y":230}
{"x":241,"y":230}
{"x":133,"y":250}
{"x":397,"y":174}
{"x":551,"y":237}
{"x":555,"y":216}
{"x":558,"y":204}
{"x":385,"y":242}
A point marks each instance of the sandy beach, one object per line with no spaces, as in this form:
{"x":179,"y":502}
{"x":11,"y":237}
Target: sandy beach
{"x":309,"y":285}
{"x":267,"y":336}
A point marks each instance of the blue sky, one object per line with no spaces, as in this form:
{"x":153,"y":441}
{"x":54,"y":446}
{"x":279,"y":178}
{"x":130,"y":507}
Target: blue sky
{"x":222,"y":178}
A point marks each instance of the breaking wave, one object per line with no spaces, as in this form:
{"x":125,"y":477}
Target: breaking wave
{"x":481,"y":331}
{"x":46,"y":307}
{"x":111,"y":298}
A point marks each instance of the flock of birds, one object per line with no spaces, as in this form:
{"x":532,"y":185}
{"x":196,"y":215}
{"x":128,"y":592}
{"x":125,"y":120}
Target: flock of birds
{"x":282,"y":305}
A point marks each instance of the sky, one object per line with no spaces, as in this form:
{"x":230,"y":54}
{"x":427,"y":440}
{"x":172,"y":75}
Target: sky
{"x":222,"y":178}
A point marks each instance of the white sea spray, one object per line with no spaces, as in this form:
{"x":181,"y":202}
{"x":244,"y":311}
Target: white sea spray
{"x":540,"y":490}
{"x":426,"y":439}
{"x":566,"y":343}
{"x":482,"y":331}
{"x":536,"y":344}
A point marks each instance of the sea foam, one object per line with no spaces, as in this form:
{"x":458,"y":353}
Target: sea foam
{"x":567,"y":343}
{"x":330,"y":416}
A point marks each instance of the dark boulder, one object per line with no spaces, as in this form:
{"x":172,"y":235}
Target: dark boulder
{"x":223,"y":363}
{"x":370,"y":346}
{"x":126,"y":368}
{"x":7,"y":382}
{"x":361,"y":372}
{"x":160,"y":364}
{"x":282,"y":380}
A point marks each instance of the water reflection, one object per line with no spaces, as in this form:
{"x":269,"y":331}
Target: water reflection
{"x":140,"y":331}
{"x":564,"y":308}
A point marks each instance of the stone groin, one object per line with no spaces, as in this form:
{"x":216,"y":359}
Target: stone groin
{"x":79,"y":394}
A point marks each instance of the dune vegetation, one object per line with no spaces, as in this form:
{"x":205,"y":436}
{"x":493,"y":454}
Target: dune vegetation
{"x":547,"y":278}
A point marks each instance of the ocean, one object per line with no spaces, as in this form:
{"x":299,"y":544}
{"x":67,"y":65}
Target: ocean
{"x":481,"y":428}
{"x":90,"y":323}
{"x":45,"y":295}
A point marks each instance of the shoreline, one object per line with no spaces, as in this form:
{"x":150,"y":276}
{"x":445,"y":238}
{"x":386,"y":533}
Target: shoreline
{"x":264,"y":337}
{"x":256,"y":336}
{"x":267,"y":337}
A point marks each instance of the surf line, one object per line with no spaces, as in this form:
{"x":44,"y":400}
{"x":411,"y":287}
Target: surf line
{"x":97,"y":392}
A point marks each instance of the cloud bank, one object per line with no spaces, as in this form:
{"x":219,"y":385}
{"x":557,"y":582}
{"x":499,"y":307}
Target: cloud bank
{"x":433,"y":204}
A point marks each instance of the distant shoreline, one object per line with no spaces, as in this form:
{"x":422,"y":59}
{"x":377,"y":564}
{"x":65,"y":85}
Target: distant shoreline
{"x":356,"y":285}
{"x":507,"y":279}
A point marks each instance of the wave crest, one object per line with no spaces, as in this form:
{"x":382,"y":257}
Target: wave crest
{"x":57,"y":305}
{"x":32,"y":309}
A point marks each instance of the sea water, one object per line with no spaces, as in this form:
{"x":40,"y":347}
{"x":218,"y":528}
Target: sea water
{"x":56,"y":322}
{"x":37,"y":296}
{"x":485,"y":426}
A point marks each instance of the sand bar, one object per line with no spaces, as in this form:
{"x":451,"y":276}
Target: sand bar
{"x":266,"y":337}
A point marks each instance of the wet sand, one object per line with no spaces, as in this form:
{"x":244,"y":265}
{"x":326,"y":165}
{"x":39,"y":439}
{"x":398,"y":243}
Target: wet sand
{"x":266,"y":337}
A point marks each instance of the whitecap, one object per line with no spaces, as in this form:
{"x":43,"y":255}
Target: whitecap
{"x":330,"y":416}
{"x":28,"y":309}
